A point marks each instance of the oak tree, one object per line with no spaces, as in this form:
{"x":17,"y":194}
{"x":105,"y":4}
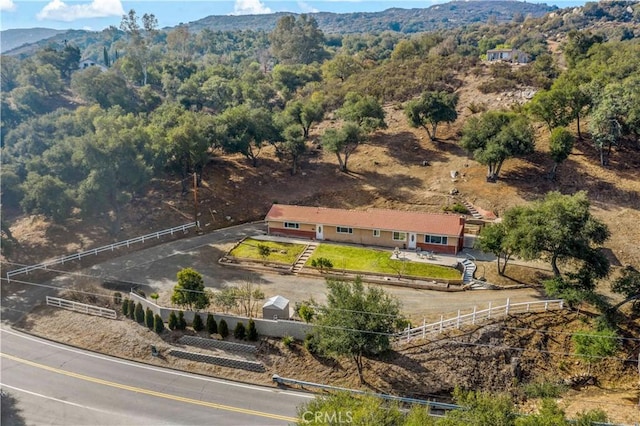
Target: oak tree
{"x":357,"y":321}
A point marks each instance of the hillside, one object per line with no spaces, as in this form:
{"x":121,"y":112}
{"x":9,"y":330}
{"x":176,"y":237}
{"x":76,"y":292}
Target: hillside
{"x":13,"y":38}
{"x":182,"y":127}
{"x":442,"y":16}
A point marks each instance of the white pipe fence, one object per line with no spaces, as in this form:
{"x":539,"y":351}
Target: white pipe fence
{"x":476,"y":316}
{"x":81,"y":307}
{"x":110,"y":247}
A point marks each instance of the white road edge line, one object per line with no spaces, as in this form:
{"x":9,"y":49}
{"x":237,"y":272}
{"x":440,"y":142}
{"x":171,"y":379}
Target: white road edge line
{"x":55,"y":399}
{"x":161,"y":370}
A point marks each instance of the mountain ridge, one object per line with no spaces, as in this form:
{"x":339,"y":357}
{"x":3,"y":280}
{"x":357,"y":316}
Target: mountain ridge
{"x":436,"y":17}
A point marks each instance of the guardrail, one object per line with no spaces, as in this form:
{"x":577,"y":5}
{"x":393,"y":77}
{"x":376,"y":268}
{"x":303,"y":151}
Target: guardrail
{"x":492,"y":312}
{"x":81,"y":307}
{"x":432,"y":404}
{"x":80,"y":255}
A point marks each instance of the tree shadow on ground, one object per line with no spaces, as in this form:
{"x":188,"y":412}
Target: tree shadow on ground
{"x":398,"y":372}
{"x":389,"y":183}
{"x":11,"y":413}
{"x":407,"y":149}
{"x":532,"y":183}
{"x":450,"y":146}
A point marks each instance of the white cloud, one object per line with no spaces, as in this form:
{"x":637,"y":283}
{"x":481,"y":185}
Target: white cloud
{"x":307,"y":8}
{"x":250,"y":7}
{"x":7,"y":5}
{"x":57,"y":10}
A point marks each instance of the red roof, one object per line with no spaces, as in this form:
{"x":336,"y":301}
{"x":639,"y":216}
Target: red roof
{"x":388,"y":220}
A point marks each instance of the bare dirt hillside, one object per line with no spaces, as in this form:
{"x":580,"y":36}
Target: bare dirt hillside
{"x":399,"y":168}
{"x":387,"y":172}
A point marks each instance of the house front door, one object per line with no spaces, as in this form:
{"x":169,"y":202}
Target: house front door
{"x":319,"y":232}
{"x":412,"y":240}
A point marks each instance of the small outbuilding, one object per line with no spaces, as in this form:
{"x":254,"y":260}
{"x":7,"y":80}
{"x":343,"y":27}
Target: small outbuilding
{"x":514,"y":56}
{"x":276,"y":307}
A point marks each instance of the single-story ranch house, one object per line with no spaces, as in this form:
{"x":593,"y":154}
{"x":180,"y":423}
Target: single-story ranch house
{"x":441,"y":233}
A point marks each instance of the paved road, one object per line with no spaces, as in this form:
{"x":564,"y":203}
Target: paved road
{"x":58,"y":385}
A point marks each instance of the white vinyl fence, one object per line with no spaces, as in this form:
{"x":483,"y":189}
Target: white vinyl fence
{"x":81,"y":307}
{"x":477,"y":316}
{"x":110,"y":247}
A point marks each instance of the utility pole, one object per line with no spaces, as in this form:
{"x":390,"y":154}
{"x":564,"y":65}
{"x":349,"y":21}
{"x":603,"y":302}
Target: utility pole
{"x":195,"y":201}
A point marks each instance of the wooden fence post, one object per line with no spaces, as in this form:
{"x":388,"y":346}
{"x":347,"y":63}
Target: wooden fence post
{"x":507,"y":308}
{"x":458,"y":322}
{"x":489,"y":317}
{"x":424,"y":327}
{"x":473,"y":320}
{"x":441,"y":319}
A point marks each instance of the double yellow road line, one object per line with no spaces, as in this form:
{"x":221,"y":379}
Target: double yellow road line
{"x":150,"y":392}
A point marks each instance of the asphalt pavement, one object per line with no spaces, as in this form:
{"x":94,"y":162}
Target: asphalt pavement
{"x":57,"y":385}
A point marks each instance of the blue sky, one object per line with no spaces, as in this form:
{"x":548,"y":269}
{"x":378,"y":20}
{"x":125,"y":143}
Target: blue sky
{"x":99,"y":14}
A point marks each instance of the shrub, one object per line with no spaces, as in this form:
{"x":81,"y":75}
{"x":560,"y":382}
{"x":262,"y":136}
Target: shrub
{"x":117,"y":298}
{"x":154,"y":296}
{"x":182,"y":323}
{"x":498,"y":85}
{"x":544,"y":389}
{"x":311,"y":343}
{"x":139,"y":313}
{"x":158,"y":324}
{"x":456,"y":208}
{"x":287,"y":341}
{"x":477,"y":107}
{"x":240,"y":331}
{"x":197,"y":323}
{"x":306,"y":312}
{"x":132,"y":309}
{"x":125,"y":308}
{"x":148,"y":318}
{"x":212,"y":327}
{"x":173,"y":321}
{"x":252,"y":332}
{"x":223,"y":328}
{"x":322,"y":263}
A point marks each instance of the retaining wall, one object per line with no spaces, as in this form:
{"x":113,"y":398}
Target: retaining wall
{"x":217,"y":344}
{"x":218,"y":360}
{"x":265,"y":327}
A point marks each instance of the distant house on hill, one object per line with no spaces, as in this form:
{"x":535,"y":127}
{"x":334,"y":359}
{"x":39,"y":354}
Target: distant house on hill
{"x":440,"y":233}
{"x":514,"y":56}
{"x":86,"y":63}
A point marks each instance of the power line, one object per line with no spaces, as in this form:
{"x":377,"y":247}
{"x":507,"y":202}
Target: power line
{"x":542,"y":331}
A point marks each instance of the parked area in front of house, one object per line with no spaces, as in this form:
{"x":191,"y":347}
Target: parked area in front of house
{"x":154,"y":270}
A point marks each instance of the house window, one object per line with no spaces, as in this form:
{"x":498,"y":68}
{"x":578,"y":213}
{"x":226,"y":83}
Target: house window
{"x":435,"y":239}
{"x":292,"y":225}
{"x":344,"y":230}
{"x":376,"y":232}
{"x":399,"y":236}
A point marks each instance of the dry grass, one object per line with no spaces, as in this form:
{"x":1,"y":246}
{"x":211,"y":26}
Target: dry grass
{"x":387,"y":172}
{"x":474,"y":358}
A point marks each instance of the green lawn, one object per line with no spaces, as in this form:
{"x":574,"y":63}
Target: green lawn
{"x":379,"y":261}
{"x":280,"y":252}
